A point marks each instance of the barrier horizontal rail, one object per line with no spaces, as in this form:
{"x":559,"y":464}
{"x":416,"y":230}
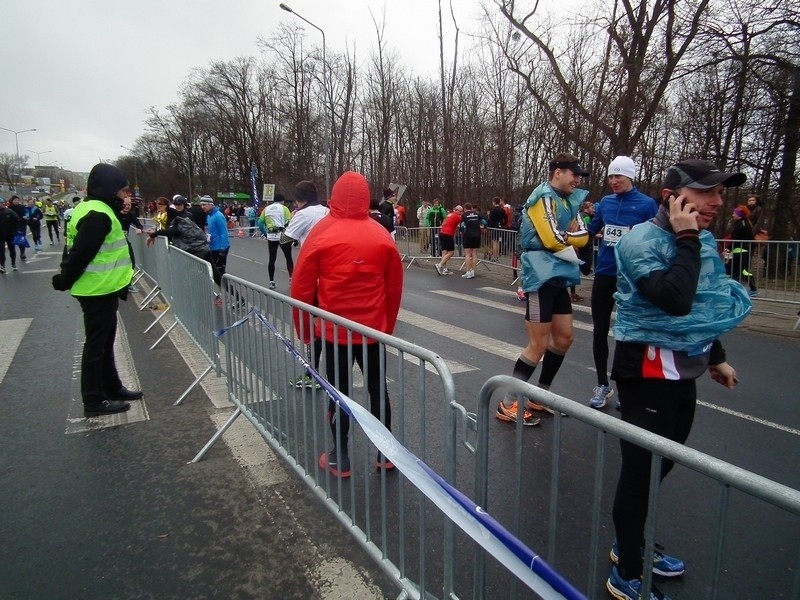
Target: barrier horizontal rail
{"x":387,"y":512}
{"x":723,"y":475}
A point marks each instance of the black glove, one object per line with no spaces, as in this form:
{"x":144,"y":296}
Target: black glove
{"x":59,"y":283}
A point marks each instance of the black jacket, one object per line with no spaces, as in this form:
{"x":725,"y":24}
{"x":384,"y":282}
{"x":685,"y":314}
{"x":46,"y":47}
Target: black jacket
{"x":9,"y":223}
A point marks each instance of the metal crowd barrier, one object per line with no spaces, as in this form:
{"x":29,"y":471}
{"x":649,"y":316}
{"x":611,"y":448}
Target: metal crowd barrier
{"x":771,"y":266}
{"x":498,"y":247}
{"x":562,"y":529}
{"x":186,"y":284}
{"x":388,"y":512}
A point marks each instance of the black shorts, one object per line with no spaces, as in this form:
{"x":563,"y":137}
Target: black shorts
{"x":473,"y":241}
{"x":447,"y":242}
{"x":552,"y":300}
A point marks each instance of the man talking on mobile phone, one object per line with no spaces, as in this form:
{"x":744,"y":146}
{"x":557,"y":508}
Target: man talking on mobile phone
{"x":674,"y":300}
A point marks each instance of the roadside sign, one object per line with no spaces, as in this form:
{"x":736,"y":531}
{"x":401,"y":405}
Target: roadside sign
{"x":269,"y":192}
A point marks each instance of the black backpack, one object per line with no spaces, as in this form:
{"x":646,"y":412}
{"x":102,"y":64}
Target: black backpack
{"x":190,"y":237}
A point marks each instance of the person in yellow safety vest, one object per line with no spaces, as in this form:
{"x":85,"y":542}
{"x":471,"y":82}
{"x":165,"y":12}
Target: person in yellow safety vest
{"x":52,"y":219}
{"x":97,"y":268}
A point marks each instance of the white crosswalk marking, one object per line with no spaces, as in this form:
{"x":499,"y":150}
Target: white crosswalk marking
{"x":513,"y":293}
{"x":518,"y":310}
{"x":11,"y":332}
{"x":454,"y":366}
{"x":446,"y":330}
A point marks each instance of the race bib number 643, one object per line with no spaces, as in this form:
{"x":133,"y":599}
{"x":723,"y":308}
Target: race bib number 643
{"x":612,"y":234}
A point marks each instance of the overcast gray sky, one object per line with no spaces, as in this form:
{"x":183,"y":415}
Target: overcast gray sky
{"x":84,"y":72}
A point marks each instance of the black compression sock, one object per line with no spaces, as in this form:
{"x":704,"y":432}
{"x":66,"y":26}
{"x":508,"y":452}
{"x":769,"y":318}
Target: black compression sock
{"x":523,"y":369}
{"x":550,"y":366}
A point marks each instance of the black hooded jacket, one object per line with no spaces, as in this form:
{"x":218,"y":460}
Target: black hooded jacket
{"x":103,"y":184}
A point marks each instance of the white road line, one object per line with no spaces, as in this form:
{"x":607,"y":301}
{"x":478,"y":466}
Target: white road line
{"x":27,"y":272}
{"x":513,"y":293}
{"x":470,"y":338}
{"x":11,"y":332}
{"x":505,"y":350}
{"x":518,"y":310}
{"x":746,"y":417}
{"x":454,"y":366}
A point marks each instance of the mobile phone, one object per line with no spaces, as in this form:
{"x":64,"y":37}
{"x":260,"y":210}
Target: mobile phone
{"x":674,"y":194}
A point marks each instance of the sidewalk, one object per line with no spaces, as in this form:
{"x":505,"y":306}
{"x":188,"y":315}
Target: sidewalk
{"x":97,"y":511}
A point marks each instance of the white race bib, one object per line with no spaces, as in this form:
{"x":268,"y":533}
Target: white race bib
{"x":612,"y":234}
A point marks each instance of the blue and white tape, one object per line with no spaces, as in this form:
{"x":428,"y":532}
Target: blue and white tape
{"x":500,"y":543}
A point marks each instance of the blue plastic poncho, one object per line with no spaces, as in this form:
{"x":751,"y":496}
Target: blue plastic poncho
{"x":720,"y":303}
{"x":539,"y":264}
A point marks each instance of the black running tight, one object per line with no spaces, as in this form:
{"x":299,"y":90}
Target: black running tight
{"x":665,"y":408}
{"x":273,"y":245}
{"x":603,"y":288}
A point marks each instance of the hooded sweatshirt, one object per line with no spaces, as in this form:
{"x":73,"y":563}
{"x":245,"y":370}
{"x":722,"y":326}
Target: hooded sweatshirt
{"x":349,"y":266}
{"x":103,"y":184}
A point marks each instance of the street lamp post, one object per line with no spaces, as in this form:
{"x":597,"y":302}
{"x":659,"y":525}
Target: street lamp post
{"x":325,"y":81}
{"x":135,"y":173}
{"x":38,"y":155}
{"x":16,"y":143}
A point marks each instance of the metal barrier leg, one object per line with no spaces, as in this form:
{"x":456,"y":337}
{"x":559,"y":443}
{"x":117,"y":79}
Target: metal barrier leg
{"x":163,"y":335}
{"x":166,"y":310}
{"x":194,"y":384}
{"x":216,"y":436}
{"x":153,"y":293}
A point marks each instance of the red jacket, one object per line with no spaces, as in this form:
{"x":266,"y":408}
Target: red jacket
{"x":349,"y":266}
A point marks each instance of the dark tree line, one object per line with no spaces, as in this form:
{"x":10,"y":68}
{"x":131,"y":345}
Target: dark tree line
{"x":658,"y":80}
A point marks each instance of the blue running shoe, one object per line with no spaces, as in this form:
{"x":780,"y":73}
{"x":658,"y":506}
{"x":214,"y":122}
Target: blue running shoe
{"x":601,"y":394}
{"x":663,"y":564}
{"x":630,"y":589}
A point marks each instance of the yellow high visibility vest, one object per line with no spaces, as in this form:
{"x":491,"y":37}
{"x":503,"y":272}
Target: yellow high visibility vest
{"x":111,"y":268}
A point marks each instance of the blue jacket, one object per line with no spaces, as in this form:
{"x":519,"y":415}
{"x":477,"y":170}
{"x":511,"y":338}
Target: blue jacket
{"x":624,"y":210}
{"x":218,"y":229}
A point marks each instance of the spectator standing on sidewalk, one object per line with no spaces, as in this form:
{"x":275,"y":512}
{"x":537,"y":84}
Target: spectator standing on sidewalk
{"x":9,"y":225}
{"x":387,"y":208}
{"x":447,"y":240}
{"x":498,"y":220}
{"x":97,"y":268}
{"x":349,"y":266}
{"x":219,"y":244}
{"x":434,"y":218}
{"x":549,"y":235}
{"x":424,"y":233}
{"x":127,"y":219}
{"x":674,"y":300}
{"x":616,"y":214}
{"x":742,"y":247}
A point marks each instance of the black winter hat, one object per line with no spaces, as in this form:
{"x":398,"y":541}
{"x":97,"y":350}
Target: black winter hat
{"x":306,"y":191}
{"x":105,"y":181}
